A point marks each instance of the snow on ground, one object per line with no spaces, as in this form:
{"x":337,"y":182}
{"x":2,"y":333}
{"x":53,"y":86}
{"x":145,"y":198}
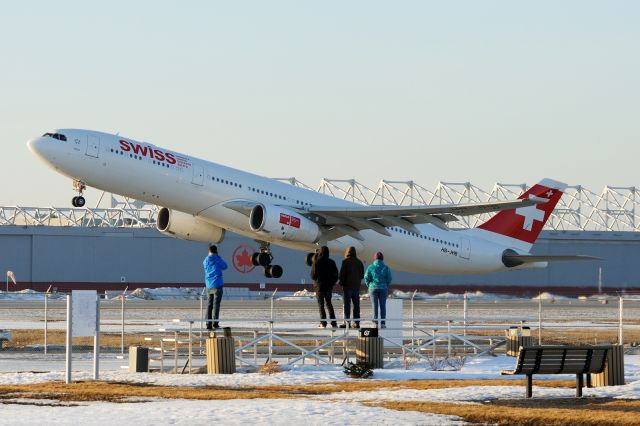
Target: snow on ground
{"x":336,"y":408}
{"x":231,"y":412}
{"x":27,"y":295}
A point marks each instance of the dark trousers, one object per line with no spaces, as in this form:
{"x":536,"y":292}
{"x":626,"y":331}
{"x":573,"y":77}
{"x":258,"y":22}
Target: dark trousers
{"x":325,"y":297}
{"x":215,"y":297}
{"x":351,"y":295}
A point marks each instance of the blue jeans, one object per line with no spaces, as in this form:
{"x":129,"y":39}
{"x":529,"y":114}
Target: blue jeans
{"x":351,"y":295}
{"x":215,"y":297}
{"x":379,"y":298}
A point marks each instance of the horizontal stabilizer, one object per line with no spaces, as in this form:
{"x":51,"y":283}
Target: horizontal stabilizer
{"x":512,"y":260}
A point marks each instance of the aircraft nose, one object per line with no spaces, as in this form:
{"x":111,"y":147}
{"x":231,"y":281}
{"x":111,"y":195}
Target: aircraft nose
{"x":34,"y":144}
{"x":37,"y":147}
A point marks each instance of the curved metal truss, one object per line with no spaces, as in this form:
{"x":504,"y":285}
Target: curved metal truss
{"x":615,"y":208}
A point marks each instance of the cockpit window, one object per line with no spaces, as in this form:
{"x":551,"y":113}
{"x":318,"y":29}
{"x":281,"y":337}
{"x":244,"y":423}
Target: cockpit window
{"x":58,"y":136}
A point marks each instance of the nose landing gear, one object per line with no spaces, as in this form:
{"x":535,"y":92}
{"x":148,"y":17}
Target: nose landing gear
{"x":78,"y":201}
{"x":264,"y":258}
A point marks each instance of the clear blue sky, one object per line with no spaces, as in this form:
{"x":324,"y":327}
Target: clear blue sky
{"x":460,"y":90}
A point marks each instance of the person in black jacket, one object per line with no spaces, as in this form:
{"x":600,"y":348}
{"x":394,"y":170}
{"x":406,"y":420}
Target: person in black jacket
{"x":351,"y":273}
{"x":324,"y":274}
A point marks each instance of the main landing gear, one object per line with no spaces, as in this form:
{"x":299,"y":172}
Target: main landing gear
{"x":78,"y":201}
{"x":264,"y":258}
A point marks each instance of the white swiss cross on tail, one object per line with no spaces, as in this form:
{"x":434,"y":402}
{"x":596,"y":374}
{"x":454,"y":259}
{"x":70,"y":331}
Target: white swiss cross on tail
{"x":530,"y":214}
{"x":523,"y":225}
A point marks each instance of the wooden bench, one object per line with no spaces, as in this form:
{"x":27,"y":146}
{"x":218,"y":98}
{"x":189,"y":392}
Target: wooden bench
{"x":578,"y":360}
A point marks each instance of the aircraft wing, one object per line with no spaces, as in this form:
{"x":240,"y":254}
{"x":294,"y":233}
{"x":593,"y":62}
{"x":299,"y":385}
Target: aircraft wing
{"x":349,"y":220}
{"x":340,"y":221}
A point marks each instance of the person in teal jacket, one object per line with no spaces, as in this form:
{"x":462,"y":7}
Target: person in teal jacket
{"x":377,"y":278}
{"x":213,"y":267}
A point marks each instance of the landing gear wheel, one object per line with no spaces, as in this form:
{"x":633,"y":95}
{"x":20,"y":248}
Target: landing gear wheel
{"x":309,"y":259}
{"x":264,"y":259}
{"x":79,"y":186}
{"x":274,"y":270}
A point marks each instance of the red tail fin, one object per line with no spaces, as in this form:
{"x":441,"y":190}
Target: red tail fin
{"x":525,"y":223}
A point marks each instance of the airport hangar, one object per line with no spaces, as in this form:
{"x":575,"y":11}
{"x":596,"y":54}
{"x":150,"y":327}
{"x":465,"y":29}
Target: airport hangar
{"x":117,"y":247}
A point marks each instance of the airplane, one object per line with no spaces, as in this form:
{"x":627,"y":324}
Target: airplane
{"x":201,"y":200}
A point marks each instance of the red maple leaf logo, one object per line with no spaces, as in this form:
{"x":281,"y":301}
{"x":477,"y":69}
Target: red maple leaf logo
{"x":242,"y":259}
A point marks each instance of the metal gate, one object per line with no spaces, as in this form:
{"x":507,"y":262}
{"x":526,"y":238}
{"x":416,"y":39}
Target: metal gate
{"x":93,"y":146}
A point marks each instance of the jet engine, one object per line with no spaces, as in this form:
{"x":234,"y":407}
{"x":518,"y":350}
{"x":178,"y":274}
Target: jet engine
{"x":284,"y":224}
{"x":187,"y":227}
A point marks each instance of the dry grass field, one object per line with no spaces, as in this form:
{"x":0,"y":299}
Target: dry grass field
{"x":537,"y":411}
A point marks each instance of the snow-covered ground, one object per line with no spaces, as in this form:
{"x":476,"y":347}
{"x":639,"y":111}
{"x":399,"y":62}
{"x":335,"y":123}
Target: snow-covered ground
{"x":332,"y":409}
{"x":291,"y":312}
{"x":230,"y":412}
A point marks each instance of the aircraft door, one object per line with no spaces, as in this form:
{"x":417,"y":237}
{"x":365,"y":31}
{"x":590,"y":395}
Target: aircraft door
{"x":465,"y":248}
{"x":198,"y":175}
{"x":93,"y":146}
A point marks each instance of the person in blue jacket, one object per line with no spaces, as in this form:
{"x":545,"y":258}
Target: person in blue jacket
{"x":377,"y":278}
{"x":213,"y":267}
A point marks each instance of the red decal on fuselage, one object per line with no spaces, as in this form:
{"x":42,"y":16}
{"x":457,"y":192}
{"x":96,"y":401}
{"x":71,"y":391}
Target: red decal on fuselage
{"x":170,"y":158}
{"x":137,"y":149}
{"x":124,"y":145}
{"x":285,"y":219}
{"x":159,"y":155}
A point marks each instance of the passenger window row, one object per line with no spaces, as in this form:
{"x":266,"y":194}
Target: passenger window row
{"x":226,"y":182}
{"x":424,"y":237}
{"x":270,"y":194}
{"x":58,"y":136}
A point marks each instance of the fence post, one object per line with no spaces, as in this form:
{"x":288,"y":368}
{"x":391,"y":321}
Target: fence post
{"x":435,"y":339}
{"x":620,"y":333}
{"x":122,"y":320}
{"x":190,"y":345}
{"x":539,"y":320}
{"x":449,"y":338}
{"x":464,"y":314}
{"x":46,"y":319}
{"x":201,"y":316}
{"x":413,"y":323}
{"x":69,"y":342}
{"x":272,"y":317}
{"x":96,"y":342}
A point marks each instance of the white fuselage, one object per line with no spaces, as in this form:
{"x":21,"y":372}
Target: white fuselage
{"x":200,"y":187}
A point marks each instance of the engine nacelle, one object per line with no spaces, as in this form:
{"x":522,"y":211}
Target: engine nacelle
{"x":283,"y":224}
{"x":187,"y":227}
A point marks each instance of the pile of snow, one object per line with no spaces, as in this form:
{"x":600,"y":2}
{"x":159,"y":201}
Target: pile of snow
{"x":305,"y":293}
{"x":477,"y":295}
{"x":165,"y":293}
{"x":27,"y":294}
{"x":549,"y":297}
{"x":300,"y":295}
